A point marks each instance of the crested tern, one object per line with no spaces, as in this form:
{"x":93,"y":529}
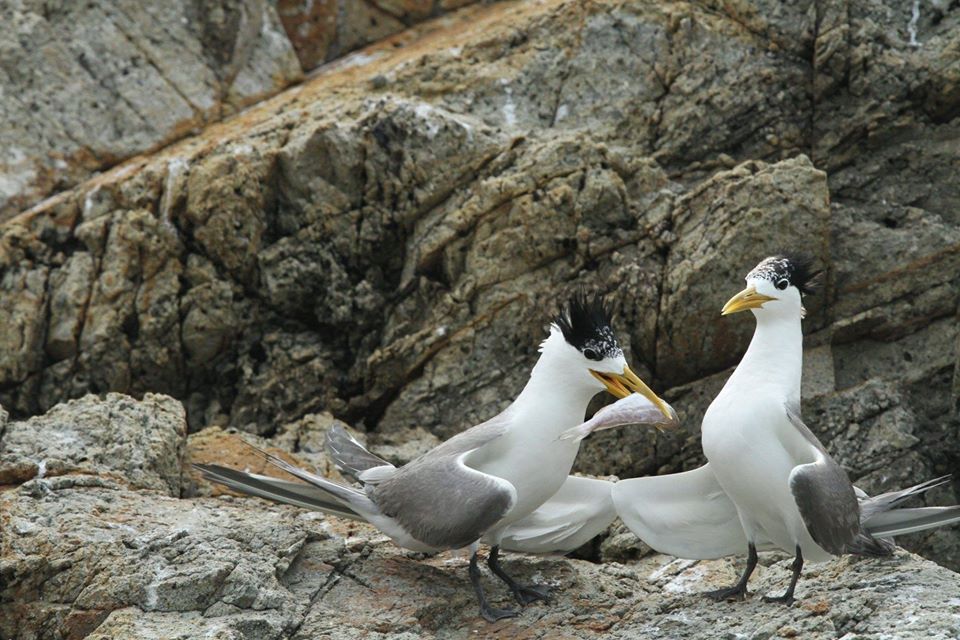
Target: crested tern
{"x":479,"y":483}
{"x":768,"y":482}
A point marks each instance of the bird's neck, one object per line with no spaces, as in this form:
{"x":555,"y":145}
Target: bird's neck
{"x":774,"y":359}
{"x":558,"y":402}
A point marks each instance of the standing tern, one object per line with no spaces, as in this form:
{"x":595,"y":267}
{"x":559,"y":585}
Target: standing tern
{"x":769,"y":482}
{"x":478,"y":483}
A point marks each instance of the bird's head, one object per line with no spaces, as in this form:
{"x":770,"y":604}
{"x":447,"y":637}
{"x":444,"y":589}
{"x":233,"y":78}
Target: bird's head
{"x":587,"y":354}
{"x":775,"y":288}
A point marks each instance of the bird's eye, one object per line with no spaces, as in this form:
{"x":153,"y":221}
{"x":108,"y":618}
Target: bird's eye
{"x":591,"y":354}
{"x":782,"y":284}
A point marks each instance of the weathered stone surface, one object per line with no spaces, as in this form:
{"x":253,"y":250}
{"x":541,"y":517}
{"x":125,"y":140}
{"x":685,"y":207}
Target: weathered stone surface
{"x":728,"y":221}
{"x":86,"y":558}
{"x":89,"y":84}
{"x":324,"y":30}
{"x":137,"y":443}
{"x":311,"y":26}
{"x":78,"y":547}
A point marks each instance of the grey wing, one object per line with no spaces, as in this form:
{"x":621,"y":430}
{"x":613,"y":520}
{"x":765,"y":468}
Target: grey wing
{"x":827,"y":504}
{"x":825,"y":498}
{"x":471,"y":439}
{"x":442,"y":502}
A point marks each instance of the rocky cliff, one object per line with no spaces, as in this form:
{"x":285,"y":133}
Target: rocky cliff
{"x":386,"y":240}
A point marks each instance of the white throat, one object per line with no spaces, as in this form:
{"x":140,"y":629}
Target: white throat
{"x":773,"y":362}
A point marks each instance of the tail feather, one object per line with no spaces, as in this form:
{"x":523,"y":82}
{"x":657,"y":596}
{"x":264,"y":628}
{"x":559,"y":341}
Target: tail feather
{"x":293,"y":493}
{"x":347,"y":495}
{"x":903,"y":521}
{"x":350,"y":457}
{"x":867,"y":545}
{"x":870,"y":506}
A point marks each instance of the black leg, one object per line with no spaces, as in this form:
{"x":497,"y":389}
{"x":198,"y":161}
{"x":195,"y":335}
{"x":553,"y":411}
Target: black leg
{"x":490,"y":614}
{"x":787,"y":597}
{"x":525,"y":594}
{"x":739,"y":590}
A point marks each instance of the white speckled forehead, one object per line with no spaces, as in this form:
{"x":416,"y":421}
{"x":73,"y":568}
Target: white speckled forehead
{"x":604,"y":343}
{"x":773,"y":269}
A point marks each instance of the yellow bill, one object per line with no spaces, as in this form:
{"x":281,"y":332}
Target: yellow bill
{"x":623,"y":384}
{"x":746,"y":299}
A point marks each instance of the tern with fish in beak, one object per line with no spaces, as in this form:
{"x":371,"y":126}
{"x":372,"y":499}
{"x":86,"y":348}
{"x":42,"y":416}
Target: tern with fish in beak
{"x":479,"y":483}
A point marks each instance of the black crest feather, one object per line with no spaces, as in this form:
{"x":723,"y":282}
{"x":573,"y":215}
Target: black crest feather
{"x":796,"y":268}
{"x":586,"y":323}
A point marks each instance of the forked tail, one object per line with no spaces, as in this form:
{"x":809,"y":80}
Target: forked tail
{"x":881,"y":519}
{"x":319,"y":493}
{"x":282,"y":491}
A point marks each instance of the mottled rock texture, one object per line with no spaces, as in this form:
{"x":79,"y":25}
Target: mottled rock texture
{"x":324,"y":30}
{"x":88,"y":84}
{"x":91,"y":551}
{"x":142,"y":443}
{"x":384,"y":243}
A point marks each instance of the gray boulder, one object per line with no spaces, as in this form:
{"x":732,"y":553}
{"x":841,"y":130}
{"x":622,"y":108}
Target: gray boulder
{"x":138,"y":444}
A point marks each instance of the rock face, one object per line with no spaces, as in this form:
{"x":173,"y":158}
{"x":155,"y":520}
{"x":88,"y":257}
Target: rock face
{"x":386,"y":241}
{"x":86,"y":85}
{"x":324,"y":30}
{"x":383,"y":244}
{"x":90,"y":550}
{"x":141,"y":442}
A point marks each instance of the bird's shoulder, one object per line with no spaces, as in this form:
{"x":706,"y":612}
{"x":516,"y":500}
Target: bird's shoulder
{"x":472,"y":438}
{"x":791,"y":410}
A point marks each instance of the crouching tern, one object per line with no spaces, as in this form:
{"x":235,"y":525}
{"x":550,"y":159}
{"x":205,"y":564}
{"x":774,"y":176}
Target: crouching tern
{"x":479,"y":483}
{"x":769,"y":482}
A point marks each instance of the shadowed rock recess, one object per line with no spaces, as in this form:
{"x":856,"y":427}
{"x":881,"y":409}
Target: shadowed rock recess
{"x":383,"y":244}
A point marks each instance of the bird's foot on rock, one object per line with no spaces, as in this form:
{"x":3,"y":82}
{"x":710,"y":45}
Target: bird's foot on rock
{"x":786,"y":599}
{"x":736,"y":592}
{"x":492,"y":614}
{"x":525,"y":594}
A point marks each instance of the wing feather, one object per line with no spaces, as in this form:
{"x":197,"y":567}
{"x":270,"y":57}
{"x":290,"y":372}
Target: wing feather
{"x":825,"y":497}
{"x":684,"y":514}
{"x":352,"y":458}
{"x":441,"y":501}
{"x":581,"y":509}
